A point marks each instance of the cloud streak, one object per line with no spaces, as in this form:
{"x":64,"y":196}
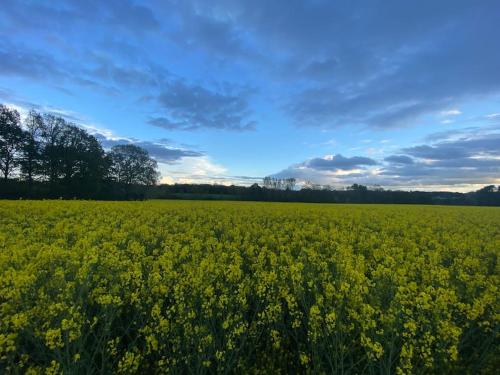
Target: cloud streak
{"x":338,"y":162}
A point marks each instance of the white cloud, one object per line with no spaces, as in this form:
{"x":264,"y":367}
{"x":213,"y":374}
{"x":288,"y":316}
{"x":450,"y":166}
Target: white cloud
{"x":451,"y":112}
{"x":340,"y":172}
{"x":95,"y":129}
{"x":193,"y":170}
{"x":493,"y":115}
{"x":330,"y":142}
{"x":23,"y":112}
{"x":374,"y":151}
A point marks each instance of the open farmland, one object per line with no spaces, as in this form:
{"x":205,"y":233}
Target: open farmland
{"x":231,"y":287}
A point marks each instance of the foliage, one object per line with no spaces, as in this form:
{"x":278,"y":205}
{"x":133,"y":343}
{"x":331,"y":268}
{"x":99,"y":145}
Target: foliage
{"x":205,"y":287}
{"x":359,"y":195}
{"x":113,"y":190}
{"x":49,"y":148}
{"x":132,"y":165}
{"x":31,"y":149}
{"x":10,"y":139}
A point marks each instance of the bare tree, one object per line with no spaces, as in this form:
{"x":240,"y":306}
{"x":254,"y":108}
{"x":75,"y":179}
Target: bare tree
{"x":290,"y":183}
{"x":279,"y":183}
{"x":267,"y":182}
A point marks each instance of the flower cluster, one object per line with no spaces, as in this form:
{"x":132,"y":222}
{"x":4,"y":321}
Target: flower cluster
{"x":209,"y":287}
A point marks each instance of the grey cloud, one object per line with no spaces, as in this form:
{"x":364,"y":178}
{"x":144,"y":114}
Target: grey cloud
{"x":399,"y":159}
{"x":456,"y":149}
{"x":404,"y":115}
{"x":326,"y":170}
{"x":423,"y":174}
{"x":383,"y":65}
{"x":324,"y":177}
{"x":321,"y":69}
{"x":59,"y":14}
{"x":448,"y":134}
{"x":490,"y":127}
{"x":145,"y":76}
{"x":34,"y":64}
{"x":209,"y":33}
{"x":191,"y":106}
{"x":355,"y":62}
{"x":131,"y":15}
{"x":446,"y":151}
{"x":165,"y":154}
{"x":99,"y":73}
{"x":247,"y":178}
{"x":360,"y":61}
{"x":185,"y":106}
{"x":471,"y":158}
{"x":338,"y":162}
{"x":161,"y":151}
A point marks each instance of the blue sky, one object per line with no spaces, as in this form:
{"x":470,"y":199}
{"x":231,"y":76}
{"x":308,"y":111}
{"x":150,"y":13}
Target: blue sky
{"x":392,"y":93}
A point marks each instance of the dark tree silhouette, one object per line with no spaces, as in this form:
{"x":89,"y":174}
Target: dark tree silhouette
{"x":31,"y":147}
{"x":488,"y":189}
{"x":131,"y":164}
{"x":54,"y":158}
{"x":357,"y":187}
{"x":50,"y":145}
{"x":11,"y":136}
{"x":81,"y":158}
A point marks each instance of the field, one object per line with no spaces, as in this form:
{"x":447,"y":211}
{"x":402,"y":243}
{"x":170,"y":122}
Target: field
{"x":235,"y":287}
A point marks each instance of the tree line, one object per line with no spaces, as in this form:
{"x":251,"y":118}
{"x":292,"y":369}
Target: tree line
{"x":46,"y":156}
{"x":487,"y":196}
{"x":47,"y":152}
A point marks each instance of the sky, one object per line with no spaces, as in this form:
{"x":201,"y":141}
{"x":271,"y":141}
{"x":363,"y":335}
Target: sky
{"x":405,"y":95}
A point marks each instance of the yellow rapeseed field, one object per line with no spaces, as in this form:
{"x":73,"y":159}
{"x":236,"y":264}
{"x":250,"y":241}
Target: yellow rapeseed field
{"x":232,"y":287}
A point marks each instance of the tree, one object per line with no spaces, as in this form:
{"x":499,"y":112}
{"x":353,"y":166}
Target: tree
{"x":131,"y":164}
{"x":31,"y":150}
{"x":69,"y":153}
{"x":11,"y":136}
{"x":487,"y":189}
{"x":80,"y":156}
{"x":290,"y":183}
{"x":357,"y":187}
{"x":51,"y":130}
{"x":279,"y":183}
{"x":267,"y":182}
